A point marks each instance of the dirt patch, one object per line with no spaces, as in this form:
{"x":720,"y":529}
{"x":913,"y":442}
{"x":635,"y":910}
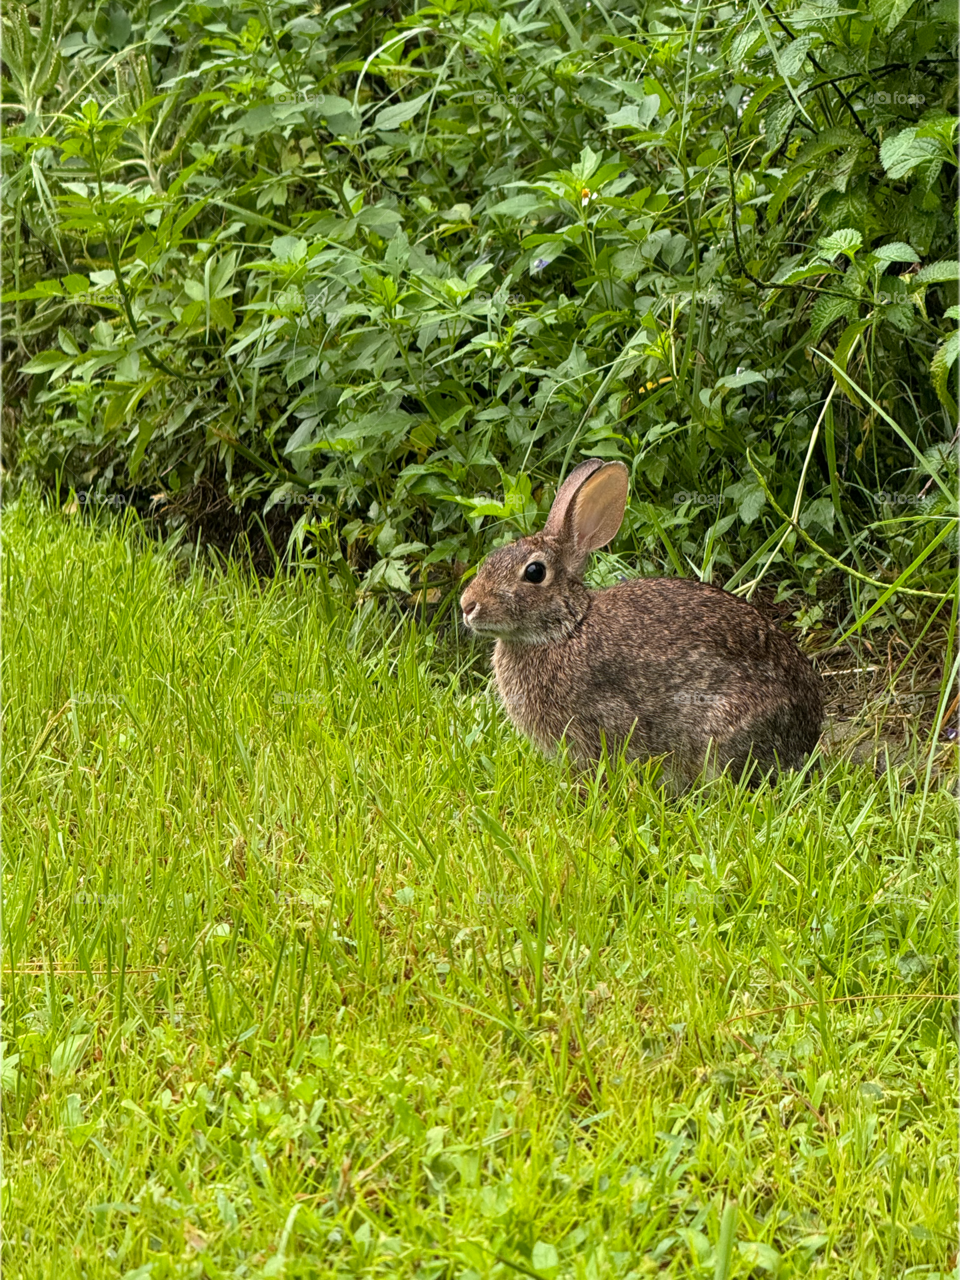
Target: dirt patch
{"x":881,"y":701}
{"x":204,"y":515}
{"x":207,"y":515}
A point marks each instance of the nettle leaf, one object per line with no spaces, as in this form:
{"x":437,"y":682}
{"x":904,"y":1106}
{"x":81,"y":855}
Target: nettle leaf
{"x":938,"y":123}
{"x":380,"y":219}
{"x":794,"y":55}
{"x":300,"y":368}
{"x":388,"y":573}
{"x":826,"y":310}
{"x":898,"y":251}
{"x":302,"y":438}
{"x":905,"y":151}
{"x":889,"y":13}
{"x":943,"y":361}
{"x":777,"y":120}
{"x":939,"y":273}
{"x":902,"y":317}
{"x":852,"y":207}
{"x":751,"y":505}
{"x":794,"y":275}
{"x":846,"y":240}
{"x":837,"y":139}
{"x":745,"y":42}
{"x":638,"y":90}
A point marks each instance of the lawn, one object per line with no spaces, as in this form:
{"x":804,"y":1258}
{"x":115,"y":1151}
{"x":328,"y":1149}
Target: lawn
{"x":312,"y":967}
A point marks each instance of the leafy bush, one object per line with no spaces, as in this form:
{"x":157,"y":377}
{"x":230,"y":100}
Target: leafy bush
{"x":397,"y":270}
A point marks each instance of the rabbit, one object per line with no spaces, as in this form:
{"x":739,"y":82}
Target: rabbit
{"x":659,"y":666}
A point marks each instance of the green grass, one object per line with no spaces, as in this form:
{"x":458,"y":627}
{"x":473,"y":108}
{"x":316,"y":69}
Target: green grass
{"x":312,"y":967}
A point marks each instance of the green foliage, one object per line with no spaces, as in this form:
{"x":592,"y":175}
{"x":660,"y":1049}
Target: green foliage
{"x":406,"y":263}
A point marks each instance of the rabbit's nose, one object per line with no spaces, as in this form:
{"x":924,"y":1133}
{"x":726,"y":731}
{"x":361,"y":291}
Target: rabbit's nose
{"x":468,"y":608}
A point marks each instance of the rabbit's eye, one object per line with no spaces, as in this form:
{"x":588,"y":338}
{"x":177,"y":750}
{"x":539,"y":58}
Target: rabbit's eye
{"x":535,"y":571}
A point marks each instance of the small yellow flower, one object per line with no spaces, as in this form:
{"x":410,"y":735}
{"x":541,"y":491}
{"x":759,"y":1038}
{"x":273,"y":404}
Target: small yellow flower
{"x":584,"y":196}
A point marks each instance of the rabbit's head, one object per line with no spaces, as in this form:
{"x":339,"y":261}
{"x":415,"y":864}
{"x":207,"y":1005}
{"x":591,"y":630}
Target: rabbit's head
{"x":532,"y":591}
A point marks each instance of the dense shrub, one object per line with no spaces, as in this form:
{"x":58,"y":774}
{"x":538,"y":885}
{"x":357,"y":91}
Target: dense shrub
{"x":397,"y":266}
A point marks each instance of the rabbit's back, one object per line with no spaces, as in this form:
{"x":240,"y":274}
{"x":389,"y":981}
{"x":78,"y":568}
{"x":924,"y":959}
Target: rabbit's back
{"x":672,"y":665}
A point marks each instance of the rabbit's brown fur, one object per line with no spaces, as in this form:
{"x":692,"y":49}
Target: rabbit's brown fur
{"x":668,"y":666}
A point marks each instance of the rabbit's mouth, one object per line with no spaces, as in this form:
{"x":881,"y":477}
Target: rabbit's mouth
{"x":478,"y":620}
{"x":528,"y":632}
{"x":480,"y":627}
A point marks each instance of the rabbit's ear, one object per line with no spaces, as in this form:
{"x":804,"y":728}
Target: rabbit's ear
{"x":566,"y":493}
{"x":596,"y":512}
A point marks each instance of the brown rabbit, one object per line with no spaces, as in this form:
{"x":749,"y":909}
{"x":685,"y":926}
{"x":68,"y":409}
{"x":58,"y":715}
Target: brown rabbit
{"x":667,"y":666}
